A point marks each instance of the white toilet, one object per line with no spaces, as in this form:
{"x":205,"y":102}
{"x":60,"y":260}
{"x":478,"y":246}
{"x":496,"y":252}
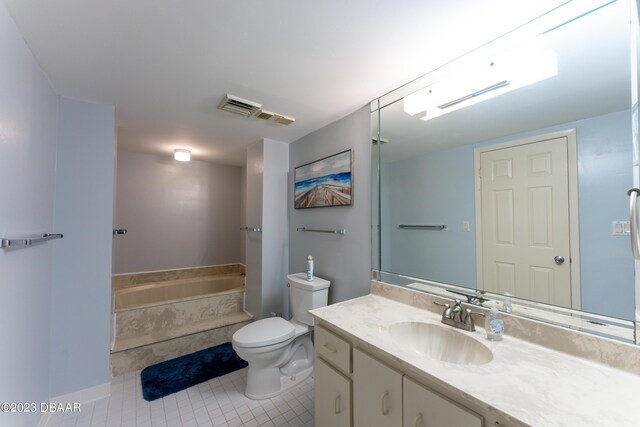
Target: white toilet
{"x":280,"y":352}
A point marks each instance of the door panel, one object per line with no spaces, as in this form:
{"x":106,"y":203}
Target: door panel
{"x":524,"y":217}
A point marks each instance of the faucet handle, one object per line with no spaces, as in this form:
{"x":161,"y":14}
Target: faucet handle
{"x":446,"y":314}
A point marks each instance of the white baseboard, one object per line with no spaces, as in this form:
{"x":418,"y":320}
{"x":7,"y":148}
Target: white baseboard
{"x":81,"y":396}
{"x":85,"y":395}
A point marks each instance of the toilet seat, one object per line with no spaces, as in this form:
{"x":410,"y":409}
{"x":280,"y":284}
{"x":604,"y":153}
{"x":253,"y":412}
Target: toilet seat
{"x":264,"y":332}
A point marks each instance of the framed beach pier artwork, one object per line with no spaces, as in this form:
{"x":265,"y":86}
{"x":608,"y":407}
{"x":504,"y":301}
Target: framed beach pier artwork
{"x":325,"y":182}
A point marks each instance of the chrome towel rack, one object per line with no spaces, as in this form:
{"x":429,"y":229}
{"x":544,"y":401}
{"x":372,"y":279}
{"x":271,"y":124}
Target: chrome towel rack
{"x":256,"y":229}
{"x":340,"y":231}
{"x":423,"y":227}
{"x":19,"y":243}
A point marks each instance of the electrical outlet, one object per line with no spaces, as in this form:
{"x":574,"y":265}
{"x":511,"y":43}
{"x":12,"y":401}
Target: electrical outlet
{"x":466,"y":226}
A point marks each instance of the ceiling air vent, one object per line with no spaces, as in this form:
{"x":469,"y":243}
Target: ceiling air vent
{"x":237,"y":105}
{"x":264,"y":115}
{"x":283,"y":120}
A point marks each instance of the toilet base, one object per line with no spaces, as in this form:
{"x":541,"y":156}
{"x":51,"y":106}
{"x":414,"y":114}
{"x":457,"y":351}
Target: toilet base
{"x":286,"y":382}
{"x":270,"y":373}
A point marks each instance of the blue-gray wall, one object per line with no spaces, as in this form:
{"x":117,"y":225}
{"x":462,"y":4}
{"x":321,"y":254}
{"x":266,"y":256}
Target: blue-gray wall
{"x":28,"y":114}
{"x":56,"y":175}
{"x":344,"y":260}
{"x":438,"y":188}
{"x":81,"y":293}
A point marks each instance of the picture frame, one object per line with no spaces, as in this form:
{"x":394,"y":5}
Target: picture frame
{"x":326,"y":182}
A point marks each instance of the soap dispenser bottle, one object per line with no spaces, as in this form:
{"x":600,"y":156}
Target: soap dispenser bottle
{"x":494,"y":324}
{"x":506,"y":303}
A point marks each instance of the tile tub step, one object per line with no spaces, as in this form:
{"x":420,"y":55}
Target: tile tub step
{"x":136,"y":358}
{"x":128,"y":343}
{"x":204,"y":312}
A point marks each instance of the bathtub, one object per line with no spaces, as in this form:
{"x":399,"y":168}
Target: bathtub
{"x":159,"y":293}
{"x":165,"y":314}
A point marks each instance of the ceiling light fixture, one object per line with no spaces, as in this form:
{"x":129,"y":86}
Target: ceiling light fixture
{"x":515,"y":68}
{"x":182,"y":155}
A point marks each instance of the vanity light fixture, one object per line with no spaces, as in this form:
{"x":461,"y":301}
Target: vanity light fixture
{"x":182,"y":155}
{"x":515,"y":68}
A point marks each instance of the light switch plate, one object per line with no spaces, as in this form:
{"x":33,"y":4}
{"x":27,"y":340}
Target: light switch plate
{"x":620,"y":228}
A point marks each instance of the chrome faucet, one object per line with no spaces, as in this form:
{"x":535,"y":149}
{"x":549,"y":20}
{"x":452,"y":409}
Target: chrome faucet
{"x":457,"y":316}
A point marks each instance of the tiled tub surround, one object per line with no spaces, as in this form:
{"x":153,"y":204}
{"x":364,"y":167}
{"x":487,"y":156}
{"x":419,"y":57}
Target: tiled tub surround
{"x":524,"y":385}
{"x":157,"y":321}
{"x":154,"y":294}
{"x":124,"y":280}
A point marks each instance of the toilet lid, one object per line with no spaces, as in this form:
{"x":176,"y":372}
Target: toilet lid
{"x":264,"y":332}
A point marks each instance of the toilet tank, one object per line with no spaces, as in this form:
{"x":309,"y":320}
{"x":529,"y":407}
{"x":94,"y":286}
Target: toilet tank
{"x":306,"y":295}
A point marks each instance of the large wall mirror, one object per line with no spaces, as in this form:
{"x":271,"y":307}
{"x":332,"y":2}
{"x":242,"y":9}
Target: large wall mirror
{"x":507,"y":171}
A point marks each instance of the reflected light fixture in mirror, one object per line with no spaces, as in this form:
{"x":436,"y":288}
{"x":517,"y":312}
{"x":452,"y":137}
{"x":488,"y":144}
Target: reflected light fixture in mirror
{"x":512,"y":69}
{"x":182,"y":155}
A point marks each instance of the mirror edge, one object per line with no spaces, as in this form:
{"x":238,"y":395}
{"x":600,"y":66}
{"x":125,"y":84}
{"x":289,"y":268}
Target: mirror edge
{"x":635,"y":95}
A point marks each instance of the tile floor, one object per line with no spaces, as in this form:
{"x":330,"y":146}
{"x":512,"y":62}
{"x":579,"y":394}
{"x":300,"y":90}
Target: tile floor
{"x":217,"y":402}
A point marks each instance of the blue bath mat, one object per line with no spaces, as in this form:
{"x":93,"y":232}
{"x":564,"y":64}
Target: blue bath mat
{"x":177,"y":374}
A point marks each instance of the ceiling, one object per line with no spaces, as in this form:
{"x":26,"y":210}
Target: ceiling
{"x":165,"y":64}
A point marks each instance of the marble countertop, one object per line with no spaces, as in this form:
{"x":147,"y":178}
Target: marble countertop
{"x":525,"y":383}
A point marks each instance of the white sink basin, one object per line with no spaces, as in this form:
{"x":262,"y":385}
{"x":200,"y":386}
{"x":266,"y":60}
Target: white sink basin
{"x":440,"y":342}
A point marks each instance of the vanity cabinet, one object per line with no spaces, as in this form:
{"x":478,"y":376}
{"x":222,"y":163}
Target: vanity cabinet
{"x":353,"y":388}
{"x":423,"y":408}
{"x":332,"y":397}
{"x":332,"y":378}
{"x":377,"y":393}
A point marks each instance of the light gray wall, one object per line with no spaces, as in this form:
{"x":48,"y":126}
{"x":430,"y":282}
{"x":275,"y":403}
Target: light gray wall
{"x":275,"y":234}
{"x":253,"y":240}
{"x":267,"y":251}
{"x":243,"y":212}
{"x":444,"y":182}
{"x":178,"y":214}
{"x":81,"y":296}
{"x":344,"y":260}
{"x":28,"y":114}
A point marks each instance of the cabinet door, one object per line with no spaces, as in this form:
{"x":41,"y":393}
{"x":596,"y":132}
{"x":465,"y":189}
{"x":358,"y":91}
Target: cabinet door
{"x":424,"y":408}
{"x":377,"y":393}
{"x":332,"y":397}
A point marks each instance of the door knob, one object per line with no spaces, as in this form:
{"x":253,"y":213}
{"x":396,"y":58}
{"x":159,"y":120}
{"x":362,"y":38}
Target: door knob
{"x":559,"y":259}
